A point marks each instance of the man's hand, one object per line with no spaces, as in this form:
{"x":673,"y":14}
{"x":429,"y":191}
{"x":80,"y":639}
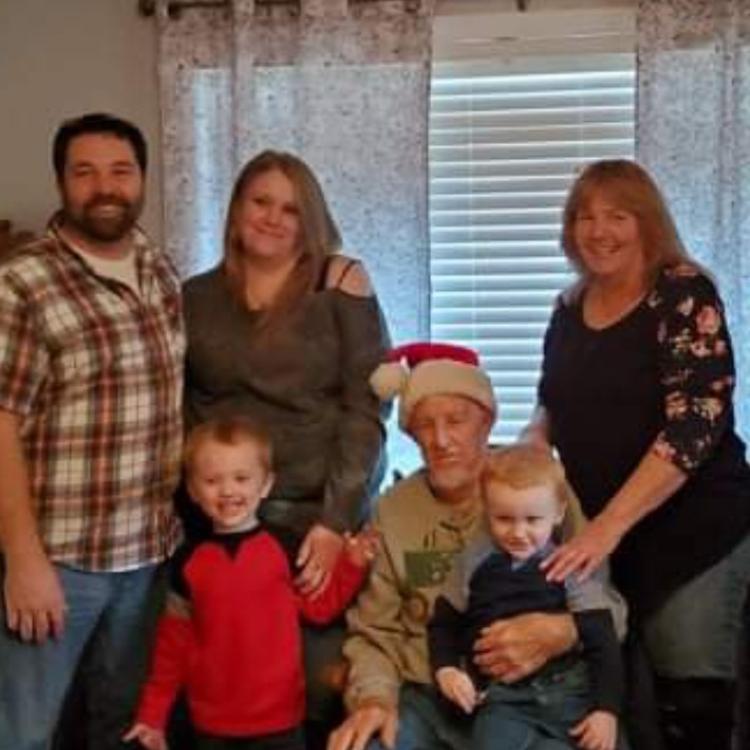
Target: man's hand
{"x":509,"y":650}
{"x":34,"y":599}
{"x":457,"y":687}
{"x":366,"y":721}
{"x":597,"y":731}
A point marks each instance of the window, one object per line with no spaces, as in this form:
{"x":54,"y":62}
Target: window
{"x":506,"y":137}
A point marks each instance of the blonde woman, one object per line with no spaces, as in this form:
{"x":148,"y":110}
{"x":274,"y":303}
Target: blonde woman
{"x":286,"y":331}
{"x":636,"y":396}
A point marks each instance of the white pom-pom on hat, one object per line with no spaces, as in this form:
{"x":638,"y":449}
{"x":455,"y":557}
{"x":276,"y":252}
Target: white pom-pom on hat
{"x":389,"y":380}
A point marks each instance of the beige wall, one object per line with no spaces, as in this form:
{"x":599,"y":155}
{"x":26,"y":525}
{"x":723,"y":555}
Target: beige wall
{"x":58,"y":59}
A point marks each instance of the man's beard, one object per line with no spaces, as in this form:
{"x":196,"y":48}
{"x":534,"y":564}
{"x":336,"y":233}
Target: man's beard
{"x":110,"y":227}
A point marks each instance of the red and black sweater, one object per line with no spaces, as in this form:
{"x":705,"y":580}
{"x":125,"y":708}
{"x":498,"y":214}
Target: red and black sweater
{"x":230,"y":635}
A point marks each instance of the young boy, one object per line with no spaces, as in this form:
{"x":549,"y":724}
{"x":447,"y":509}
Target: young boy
{"x":525,"y":493}
{"x":230,"y":633}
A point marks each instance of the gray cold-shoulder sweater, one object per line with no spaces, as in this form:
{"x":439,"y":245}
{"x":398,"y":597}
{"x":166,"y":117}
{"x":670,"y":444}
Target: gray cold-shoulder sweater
{"x":307,"y":382}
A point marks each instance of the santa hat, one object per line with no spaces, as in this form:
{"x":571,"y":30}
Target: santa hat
{"x":424,"y":369}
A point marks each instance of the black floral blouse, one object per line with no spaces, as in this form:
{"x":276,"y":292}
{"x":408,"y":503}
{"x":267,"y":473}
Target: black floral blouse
{"x":660,"y":379}
{"x":695,"y":364}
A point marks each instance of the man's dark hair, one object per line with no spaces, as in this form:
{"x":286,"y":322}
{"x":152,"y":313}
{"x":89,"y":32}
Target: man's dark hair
{"x":97,"y":122}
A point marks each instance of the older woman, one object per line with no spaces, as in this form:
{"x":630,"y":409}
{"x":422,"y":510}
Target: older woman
{"x":636,"y":395}
{"x":286,"y":331}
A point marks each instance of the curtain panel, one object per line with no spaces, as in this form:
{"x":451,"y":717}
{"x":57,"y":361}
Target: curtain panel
{"x":693,"y":134}
{"x":344,"y":84}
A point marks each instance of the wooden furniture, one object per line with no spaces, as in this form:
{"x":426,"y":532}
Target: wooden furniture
{"x":10,"y":239}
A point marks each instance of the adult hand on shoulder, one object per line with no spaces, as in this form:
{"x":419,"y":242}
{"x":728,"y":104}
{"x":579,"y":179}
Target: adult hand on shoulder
{"x":317,"y":558}
{"x":34,"y":599}
{"x":509,"y":650}
{"x":585,"y":552}
{"x":363,"y":724}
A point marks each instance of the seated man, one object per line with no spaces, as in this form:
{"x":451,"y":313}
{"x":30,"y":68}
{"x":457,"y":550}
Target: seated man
{"x":448,"y":406}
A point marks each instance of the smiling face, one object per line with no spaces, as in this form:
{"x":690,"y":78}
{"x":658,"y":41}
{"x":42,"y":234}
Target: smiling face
{"x":101,"y":188}
{"x":452,"y":433}
{"x":521,"y":521}
{"x":608,"y":240}
{"x":228,"y":482}
{"x":267,"y":222}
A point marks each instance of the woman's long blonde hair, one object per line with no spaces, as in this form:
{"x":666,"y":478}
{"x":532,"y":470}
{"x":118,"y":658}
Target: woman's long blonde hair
{"x":318,"y":234}
{"x":628,"y":186}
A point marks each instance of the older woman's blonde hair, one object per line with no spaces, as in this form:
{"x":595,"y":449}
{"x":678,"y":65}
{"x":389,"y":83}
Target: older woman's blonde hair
{"x":318,"y":234}
{"x":629,"y":187}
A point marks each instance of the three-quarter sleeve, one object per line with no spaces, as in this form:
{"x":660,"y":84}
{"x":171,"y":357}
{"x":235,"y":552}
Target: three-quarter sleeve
{"x":696,"y":366}
{"x":356,"y":455}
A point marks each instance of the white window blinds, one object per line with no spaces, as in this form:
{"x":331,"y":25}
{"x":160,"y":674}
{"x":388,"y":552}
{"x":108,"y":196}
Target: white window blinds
{"x":505,"y":140}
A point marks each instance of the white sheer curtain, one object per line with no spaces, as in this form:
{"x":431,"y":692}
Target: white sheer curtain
{"x":342,"y":83}
{"x":693,"y":133}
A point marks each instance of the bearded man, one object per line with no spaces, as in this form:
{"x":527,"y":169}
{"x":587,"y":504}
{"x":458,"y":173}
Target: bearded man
{"x":91,"y":344}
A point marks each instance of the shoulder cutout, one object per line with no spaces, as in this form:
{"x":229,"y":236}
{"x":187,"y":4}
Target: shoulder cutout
{"x":348,"y":275}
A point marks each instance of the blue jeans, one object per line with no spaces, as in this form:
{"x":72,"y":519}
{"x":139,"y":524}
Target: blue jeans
{"x":535,"y":713}
{"x":696,"y":632}
{"x":426,"y":721}
{"x":111,"y":615}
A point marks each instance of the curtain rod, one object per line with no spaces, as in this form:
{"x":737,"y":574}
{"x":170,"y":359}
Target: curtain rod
{"x":148,"y":7}
{"x":175,"y":7}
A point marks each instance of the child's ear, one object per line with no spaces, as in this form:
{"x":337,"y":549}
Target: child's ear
{"x":562,"y":508}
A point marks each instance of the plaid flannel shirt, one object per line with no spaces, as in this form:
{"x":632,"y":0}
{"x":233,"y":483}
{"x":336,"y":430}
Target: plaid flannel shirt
{"x":94,"y":372}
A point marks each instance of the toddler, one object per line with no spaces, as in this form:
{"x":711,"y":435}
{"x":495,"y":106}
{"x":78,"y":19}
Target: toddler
{"x":573,"y":699}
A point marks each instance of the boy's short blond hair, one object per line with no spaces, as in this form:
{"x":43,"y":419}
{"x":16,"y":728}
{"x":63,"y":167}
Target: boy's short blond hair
{"x":523,"y":466}
{"x":228,"y":431}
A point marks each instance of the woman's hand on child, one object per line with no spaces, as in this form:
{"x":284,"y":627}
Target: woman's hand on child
{"x":317,"y":558}
{"x":598,"y":731}
{"x":584,"y":553}
{"x":457,"y":687}
{"x":362,"y":548}
{"x":150,"y":738}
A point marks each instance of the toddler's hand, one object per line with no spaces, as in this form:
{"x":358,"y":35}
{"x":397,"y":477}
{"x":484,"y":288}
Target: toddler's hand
{"x":362,"y":548}
{"x":457,"y":687}
{"x":598,"y":731}
{"x":150,"y":738}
